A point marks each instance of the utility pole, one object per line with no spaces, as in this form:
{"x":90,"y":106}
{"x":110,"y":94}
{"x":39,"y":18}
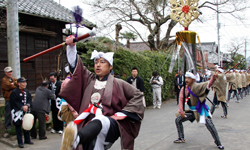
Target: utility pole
{"x":245,"y":49}
{"x":218,"y":33}
{"x":13,"y":37}
{"x":246,"y":52}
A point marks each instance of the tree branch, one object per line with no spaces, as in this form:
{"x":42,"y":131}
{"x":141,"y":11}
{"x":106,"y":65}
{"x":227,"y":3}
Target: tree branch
{"x":215,"y":4}
{"x":137,"y":32}
{"x":139,"y":12}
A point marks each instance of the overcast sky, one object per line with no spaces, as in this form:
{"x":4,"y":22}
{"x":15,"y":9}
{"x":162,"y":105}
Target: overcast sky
{"x":231,"y":29}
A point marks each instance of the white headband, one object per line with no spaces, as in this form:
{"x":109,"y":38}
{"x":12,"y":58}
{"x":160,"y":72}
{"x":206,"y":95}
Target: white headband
{"x":190,"y":75}
{"x":208,"y":73}
{"x":217,"y":66}
{"x":108,"y":56}
{"x":220,"y":70}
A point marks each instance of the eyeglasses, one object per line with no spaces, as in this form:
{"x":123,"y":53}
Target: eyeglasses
{"x":102,"y":61}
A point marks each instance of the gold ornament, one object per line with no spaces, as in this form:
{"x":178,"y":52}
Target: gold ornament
{"x":184,"y":11}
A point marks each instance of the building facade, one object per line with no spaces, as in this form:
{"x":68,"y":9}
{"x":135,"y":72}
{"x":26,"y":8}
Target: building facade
{"x":41,"y":23}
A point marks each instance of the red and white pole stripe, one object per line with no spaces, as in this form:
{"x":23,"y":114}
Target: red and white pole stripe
{"x":90,"y":110}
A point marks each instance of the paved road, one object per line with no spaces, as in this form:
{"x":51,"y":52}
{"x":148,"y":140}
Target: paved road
{"x":158,"y":130}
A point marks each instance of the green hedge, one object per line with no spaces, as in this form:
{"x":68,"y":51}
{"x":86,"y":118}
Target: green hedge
{"x":2,"y":111}
{"x":146,"y":62}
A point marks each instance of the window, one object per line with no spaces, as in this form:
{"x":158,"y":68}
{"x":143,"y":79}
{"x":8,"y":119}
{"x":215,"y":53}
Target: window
{"x":41,"y":43}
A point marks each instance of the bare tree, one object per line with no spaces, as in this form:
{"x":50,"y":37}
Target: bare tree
{"x":118,"y":28}
{"x":237,"y":46}
{"x":152,"y":14}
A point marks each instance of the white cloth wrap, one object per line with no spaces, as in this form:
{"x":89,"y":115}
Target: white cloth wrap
{"x":190,"y":75}
{"x":197,"y":77}
{"x":220,"y":70}
{"x":108,"y":56}
{"x":71,"y":55}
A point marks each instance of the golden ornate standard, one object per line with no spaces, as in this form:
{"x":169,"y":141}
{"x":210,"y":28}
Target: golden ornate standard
{"x":184,"y":11}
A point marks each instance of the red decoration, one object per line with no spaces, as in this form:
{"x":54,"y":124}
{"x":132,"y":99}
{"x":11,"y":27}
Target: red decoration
{"x":54,"y":48}
{"x":185,"y":9}
{"x":47,"y":118}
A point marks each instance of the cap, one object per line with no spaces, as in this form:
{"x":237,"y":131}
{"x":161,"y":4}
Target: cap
{"x":7,"y":69}
{"x":22,"y":79}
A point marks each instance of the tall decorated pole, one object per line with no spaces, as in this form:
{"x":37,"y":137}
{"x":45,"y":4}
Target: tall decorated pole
{"x":77,"y":13}
{"x":184,"y":12}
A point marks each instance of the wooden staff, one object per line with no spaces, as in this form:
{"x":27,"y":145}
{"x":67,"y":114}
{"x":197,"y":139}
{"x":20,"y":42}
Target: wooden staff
{"x":227,"y":65}
{"x":233,"y":67}
{"x":58,"y":46}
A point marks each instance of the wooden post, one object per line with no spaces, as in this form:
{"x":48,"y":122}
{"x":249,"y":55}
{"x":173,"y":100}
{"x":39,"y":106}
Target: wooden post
{"x":13,"y":37}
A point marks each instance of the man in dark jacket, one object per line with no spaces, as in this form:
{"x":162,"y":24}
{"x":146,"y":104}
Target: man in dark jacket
{"x":135,"y":80}
{"x":20,"y":102}
{"x":55,"y":87}
{"x":179,"y":79}
{"x":40,"y":107}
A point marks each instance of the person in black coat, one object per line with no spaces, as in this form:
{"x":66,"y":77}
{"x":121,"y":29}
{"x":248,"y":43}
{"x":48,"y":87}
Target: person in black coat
{"x":55,"y":87}
{"x":179,"y":79}
{"x":136,"y":80}
{"x":20,"y":102}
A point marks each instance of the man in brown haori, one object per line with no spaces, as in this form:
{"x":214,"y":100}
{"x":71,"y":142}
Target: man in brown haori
{"x":220,"y":87}
{"x":243,"y":83}
{"x":239,"y":82}
{"x":247,"y":79}
{"x":198,"y":110}
{"x":121,"y":104}
{"x":248,"y":74}
{"x":231,"y":79}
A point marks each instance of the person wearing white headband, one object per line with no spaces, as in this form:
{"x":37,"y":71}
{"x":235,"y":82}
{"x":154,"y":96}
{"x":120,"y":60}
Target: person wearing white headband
{"x":190,"y":75}
{"x":232,"y":88}
{"x":220,"y":70}
{"x":108,"y":56}
{"x":220,"y":90}
{"x":119,"y":105}
{"x":198,"y":110}
{"x":239,"y":83}
{"x":244,"y":83}
{"x":248,"y":82}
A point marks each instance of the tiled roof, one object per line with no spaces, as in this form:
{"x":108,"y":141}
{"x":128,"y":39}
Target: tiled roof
{"x":138,"y":46}
{"x":141,"y":46}
{"x":209,"y":65}
{"x":47,"y":9}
